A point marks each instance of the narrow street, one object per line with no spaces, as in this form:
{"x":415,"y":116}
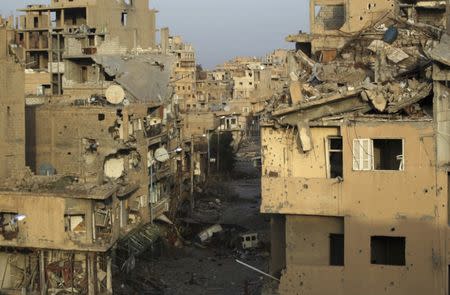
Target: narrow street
{"x":211,"y":267}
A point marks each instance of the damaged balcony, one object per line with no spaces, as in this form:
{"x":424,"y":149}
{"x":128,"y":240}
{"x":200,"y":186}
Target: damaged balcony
{"x":79,"y":215}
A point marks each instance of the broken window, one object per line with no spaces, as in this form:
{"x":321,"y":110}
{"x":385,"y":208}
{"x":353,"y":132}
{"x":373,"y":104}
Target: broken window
{"x":124,"y":18}
{"x":75,"y":223}
{"x":387,"y":250}
{"x":378,"y":154}
{"x":9,"y":224}
{"x":337,"y":249}
{"x":388,"y":154}
{"x":335,"y":165}
{"x":103,"y":220}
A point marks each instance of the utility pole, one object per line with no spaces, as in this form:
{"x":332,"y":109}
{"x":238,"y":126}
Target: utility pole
{"x":209,"y":152}
{"x":218,"y":151}
{"x":192,"y":172}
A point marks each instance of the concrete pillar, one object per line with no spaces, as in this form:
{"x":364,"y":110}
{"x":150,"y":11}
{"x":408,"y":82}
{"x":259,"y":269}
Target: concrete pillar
{"x":165,"y":39}
{"x":278,"y":244}
{"x":448,"y":17}
{"x":109,"y":275}
{"x":91,"y":270}
{"x":42,"y":276}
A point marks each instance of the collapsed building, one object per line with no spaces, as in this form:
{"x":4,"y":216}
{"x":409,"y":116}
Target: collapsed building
{"x":355,"y":152}
{"x":94,"y":150}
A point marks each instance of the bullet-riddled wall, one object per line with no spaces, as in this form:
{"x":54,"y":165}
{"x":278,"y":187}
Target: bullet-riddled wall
{"x":358,"y":212}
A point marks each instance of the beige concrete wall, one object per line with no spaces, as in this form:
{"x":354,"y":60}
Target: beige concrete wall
{"x":197,"y":124}
{"x":35,"y":80}
{"x":410,"y":203}
{"x":140,"y":30}
{"x":358,"y":14}
{"x":58,"y":134}
{"x":307,"y":239}
{"x":282,"y":154}
{"x":12,"y":115}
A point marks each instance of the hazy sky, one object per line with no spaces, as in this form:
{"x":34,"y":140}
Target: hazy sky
{"x":220,"y":30}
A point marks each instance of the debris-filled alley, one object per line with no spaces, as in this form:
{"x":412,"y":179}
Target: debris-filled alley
{"x":203,"y":263}
{"x":128,"y":168}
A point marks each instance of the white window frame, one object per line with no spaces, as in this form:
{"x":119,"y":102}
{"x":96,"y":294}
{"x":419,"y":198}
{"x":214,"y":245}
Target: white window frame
{"x":362,"y":153}
{"x":329,"y":150}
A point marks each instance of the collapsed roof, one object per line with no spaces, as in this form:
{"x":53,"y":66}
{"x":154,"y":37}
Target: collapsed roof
{"x":384,"y":70}
{"x":145,"y":77}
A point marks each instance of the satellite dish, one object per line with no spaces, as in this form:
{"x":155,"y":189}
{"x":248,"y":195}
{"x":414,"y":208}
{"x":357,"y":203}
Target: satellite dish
{"x":115,"y":94}
{"x":162,"y":155}
{"x":227,"y":109}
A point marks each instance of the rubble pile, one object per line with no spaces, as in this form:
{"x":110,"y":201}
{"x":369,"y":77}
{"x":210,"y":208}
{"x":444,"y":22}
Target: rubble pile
{"x":387,"y":66}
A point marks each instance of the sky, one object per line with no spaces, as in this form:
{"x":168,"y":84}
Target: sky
{"x":221,"y":30}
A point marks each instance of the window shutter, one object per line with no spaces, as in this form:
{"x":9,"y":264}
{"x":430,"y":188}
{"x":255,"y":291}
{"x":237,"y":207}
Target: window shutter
{"x":362,"y":154}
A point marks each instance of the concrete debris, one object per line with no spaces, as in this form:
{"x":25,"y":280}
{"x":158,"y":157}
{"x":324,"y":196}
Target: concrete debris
{"x":367,"y":74}
{"x":296,"y":92}
{"x":141,"y":75}
{"x":209,"y":232}
{"x":440,"y":52}
{"x":395,"y":55}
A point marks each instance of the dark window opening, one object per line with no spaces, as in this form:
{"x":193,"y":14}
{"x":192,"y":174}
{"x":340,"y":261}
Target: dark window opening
{"x":84,"y":74}
{"x":388,"y":250}
{"x":101,"y":117}
{"x":108,"y":77}
{"x":337,"y":249}
{"x":124,"y":18}
{"x":91,"y":41}
{"x":388,"y":154}
{"x":335,"y":157}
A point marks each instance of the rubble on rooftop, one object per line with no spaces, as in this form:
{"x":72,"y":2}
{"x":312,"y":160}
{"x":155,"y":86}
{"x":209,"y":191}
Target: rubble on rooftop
{"x":385,"y":69}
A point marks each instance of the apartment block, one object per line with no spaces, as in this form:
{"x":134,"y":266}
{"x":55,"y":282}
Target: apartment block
{"x":355,"y":154}
{"x":53,"y":37}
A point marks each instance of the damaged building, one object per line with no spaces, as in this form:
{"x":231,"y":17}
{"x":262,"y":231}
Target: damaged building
{"x":60,"y":38}
{"x":93,"y":151}
{"x":355,"y":152}
{"x":12,"y":106}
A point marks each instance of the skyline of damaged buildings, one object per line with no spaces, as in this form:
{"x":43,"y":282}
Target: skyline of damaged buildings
{"x":356,"y":152}
{"x":104,"y":133}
